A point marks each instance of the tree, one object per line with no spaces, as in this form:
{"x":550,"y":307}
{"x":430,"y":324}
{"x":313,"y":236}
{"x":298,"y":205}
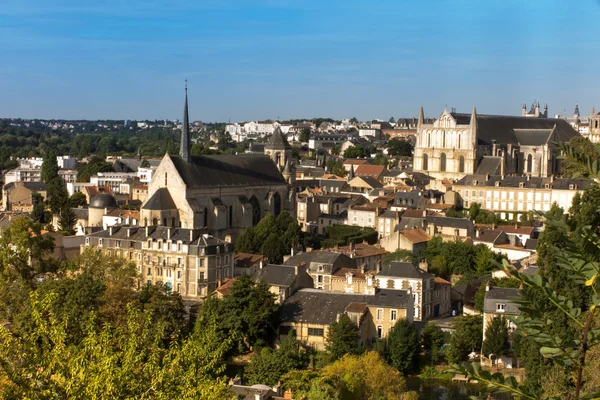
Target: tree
{"x":380,"y":159}
{"x":93,"y":166}
{"x":399,"y":148}
{"x":359,"y":377}
{"x":432,"y":339}
{"x":145,"y":164}
{"x":77,"y":199}
{"x":403,"y":347}
{"x":392,"y":120}
{"x":342,"y":338}
{"x":58,"y":196}
{"x":67,"y":220}
{"x":304,"y":135}
{"x":165,"y":308}
{"x":268,"y":366}
{"x":573,"y":167}
{"x":466,"y":337}
{"x":336,"y":167}
{"x":249,"y":313}
{"x":49,"y":169}
{"x":355,"y":152}
{"x":496,"y":337}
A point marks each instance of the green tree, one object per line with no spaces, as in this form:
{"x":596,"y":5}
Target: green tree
{"x":392,"y":120}
{"x":249,"y":313}
{"x":496,"y":337}
{"x":91,"y":168}
{"x":304,"y":135}
{"x":58,"y":196}
{"x":399,"y":148}
{"x":400,"y":255}
{"x":165,"y":308}
{"x":77,"y":199}
{"x":268,"y":366}
{"x":466,"y":337}
{"x":355,"y":152}
{"x":432,"y":339}
{"x":67,"y":220}
{"x":342,"y":338}
{"x":49,"y":169}
{"x":380,"y":159}
{"x":336,"y":167}
{"x":573,"y":168}
{"x":403,"y":347}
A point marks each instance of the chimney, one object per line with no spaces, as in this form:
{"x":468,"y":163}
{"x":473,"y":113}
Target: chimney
{"x":128,"y":232}
{"x":424,"y":266}
{"x":169,"y":233}
{"x":261,"y":264}
{"x":147,"y":230}
{"x":110,"y":231}
{"x":191,"y":235}
{"x":362,"y":268}
{"x":378,"y":266}
{"x":487,"y":177}
{"x":487,"y":286}
{"x":258,"y":396}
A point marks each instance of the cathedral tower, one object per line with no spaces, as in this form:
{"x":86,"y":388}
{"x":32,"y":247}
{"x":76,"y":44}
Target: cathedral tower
{"x":184,"y":149}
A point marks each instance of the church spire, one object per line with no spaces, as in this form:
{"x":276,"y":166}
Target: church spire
{"x":184,"y":149}
{"x":421,"y":118}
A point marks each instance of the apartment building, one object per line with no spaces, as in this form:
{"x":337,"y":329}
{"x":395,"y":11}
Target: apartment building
{"x":188,"y":261}
{"x":512,"y":197}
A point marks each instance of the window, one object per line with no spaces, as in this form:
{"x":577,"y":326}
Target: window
{"x":443,"y":162}
{"x":320,"y":278}
{"x":393,"y":315}
{"x":425,"y":162}
{"x":379,"y":314}
{"x":202,"y":262}
{"x":99,"y":242}
{"x":461,"y":164}
{"x":87,"y":241}
{"x":202,"y":277}
{"x":500,"y":307}
{"x":179,"y":287}
{"x":149,"y":271}
{"x":379,"y":331}
{"x":315,"y":332}
{"x":166,"y":176}
{"x":320,"y":268}
{"x":178,"y":274}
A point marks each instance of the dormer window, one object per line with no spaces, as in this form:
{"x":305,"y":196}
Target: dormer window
{"x":497,"y":183}
{"x":521,"y":185}
{"x":320,"y":268}
{"x":100,"y":242}
{"x":572,"y":187}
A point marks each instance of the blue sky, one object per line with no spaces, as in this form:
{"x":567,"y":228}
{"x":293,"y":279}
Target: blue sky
{"x":245,"y":60}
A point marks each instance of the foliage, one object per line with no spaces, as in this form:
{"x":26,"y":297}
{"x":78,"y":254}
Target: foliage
{"x":165,"y":308}
{"x":403,"y":347}
{"x":356,"y":152}
{"x":249,"y":313}
{"x":91,"y":168}
{"x":49,"y":169}
{"x":67,"y":220}
{"x":581,"y":146}
{"x":481,"y":216}
{"x":400,"y":255}
{"x":380,"y":159}
{"x":77,"y":199}
{"x":336,"y":167}
{"x":432,"y":339}
{"x":359,"y":377}
{"x":466,"y":337}
{"x":399,"y":148}
{"x":341,"y":235}
{"x":115,"y":362}
{"x":304,"y":135}
{"x":496,"y":337}
{"x":272,"y":237}
{"x":342,"y":338}
{"x":268,"y":366}
{"x":58,"y":196}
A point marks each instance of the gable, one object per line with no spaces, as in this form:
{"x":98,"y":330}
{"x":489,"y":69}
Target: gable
{"x":446,"y":120}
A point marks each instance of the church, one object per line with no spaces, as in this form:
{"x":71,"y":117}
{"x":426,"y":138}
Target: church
{"x":222,"y":194}
{"x":456,"y":144}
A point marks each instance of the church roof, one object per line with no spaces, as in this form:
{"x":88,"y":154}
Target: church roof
{"x":160,"y":200}
{"x":277,"y":140}
{"x":489,"y":165}
{"x":512,"y":130}
{"x":228,"y":170}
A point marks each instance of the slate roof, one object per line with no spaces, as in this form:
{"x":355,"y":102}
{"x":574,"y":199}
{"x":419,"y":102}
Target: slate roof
{"x":228,"y":170}
{"x":277,"y":275}
{"x":103,"y":200}
{"x":489,"y":236}
{"x":531,"y":244}
{"x":246,"y":260}
{"x":528,"y":182}
{"x":323,"y":307}
{"x":402,"y":269}
{"x":459,"y":223}
{"x":489,"y":165}
{"x":319,"y":256}
{"x":34,"y":186}
{"x":416,"y":235}
{"x":501,"y":295}
{"x":502,"y":128}
{"x":160,"y":200}
{"x":81,"y":213}
{"x":137,"y":233}
{"x":412,"y":199}
{"x":277,"y":140}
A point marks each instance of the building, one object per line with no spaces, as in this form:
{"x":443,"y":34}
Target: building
{"x":284,"y":280}
{"x":308,"y":314}
{"x":326,"y":140}
{"x":594,"y":127}
{"x":457,"y":144}
{"x":500,"y":302}
{"x":321,"y":265}
{"x":405,"y":276}
{"x":450,"y":228}
{"x":374,"y":171}
{"x":19,"y":195}
{"x":187,"y":261}
{"x":369,"y":257}
{"x":246,"y":263}
{"x":512,"y":197}
{"x":223,"y":194}
{"x":365,"y":216}
{"x":414,"y":240}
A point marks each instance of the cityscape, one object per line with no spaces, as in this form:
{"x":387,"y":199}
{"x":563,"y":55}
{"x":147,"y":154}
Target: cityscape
{"x":444,"y":252}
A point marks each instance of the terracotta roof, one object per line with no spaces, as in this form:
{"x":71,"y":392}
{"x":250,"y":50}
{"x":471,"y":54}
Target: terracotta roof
{"x":516,"y":230}
{"x":441,"y":281}
{"x":225,"y":288}
{"x":409,"y":213}
{"x":246,"y":260}
{"x":356,"y":273}
{"x":369,"y":170}
{"x":356,"y":307}
{"x":437,"y":206}
{"x":416,"y":235}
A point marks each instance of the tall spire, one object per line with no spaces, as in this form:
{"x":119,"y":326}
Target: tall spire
{"x":421,"y":118}
{"x":184,"y":149}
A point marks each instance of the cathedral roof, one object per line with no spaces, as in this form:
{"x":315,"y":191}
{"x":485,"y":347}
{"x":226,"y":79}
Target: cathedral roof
{"x":160,"y":200}
{"x":277,"y":140}
{"x":506,"y":129}
{"x":489,"y":165}
{"x":228,"y":170}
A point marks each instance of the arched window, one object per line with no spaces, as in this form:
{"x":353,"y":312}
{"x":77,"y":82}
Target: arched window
{"x":443,"y":138}
{"x":205,"y":217}
{"x":172,"y":221}
{"x":154,"y":221}
{"x":529,"y":164}
{"x":255,"y":210}
{"x":458,"y":142}
{"x":166,"y":178}
{"x":425,"y":162}
{"x":461,"y":164}
{"x":276,"y":204}
{"x":429,"y":140}
{"x":165,"y":221}
{"x":145,"y":221}
{"x":443,"y":162}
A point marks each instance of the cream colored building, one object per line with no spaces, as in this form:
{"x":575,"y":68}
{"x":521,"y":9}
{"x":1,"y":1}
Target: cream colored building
{"x":513,"y":196}
{"x":186,"y":261}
